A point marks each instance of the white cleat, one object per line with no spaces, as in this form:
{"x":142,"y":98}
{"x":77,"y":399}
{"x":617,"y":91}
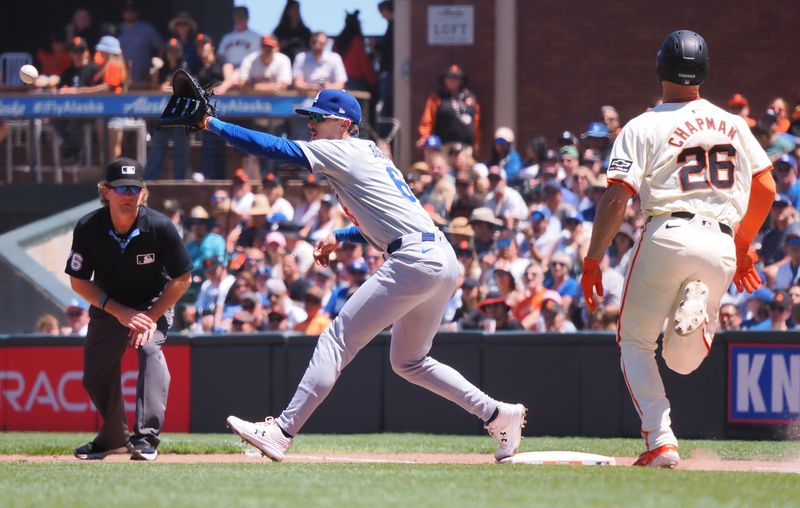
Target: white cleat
{"x":506,"y":428}
{"x":266,"y":436}
{"x":691,"y":313}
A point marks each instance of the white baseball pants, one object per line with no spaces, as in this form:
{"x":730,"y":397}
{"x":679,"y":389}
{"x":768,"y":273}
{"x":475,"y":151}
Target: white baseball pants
{"x":670,"y":253}
{"x":409,"y":291}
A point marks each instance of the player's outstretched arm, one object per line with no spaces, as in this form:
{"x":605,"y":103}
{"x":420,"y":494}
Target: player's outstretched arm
{"x":258,"y":143}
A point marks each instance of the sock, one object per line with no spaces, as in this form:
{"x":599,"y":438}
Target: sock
{"x":494,"y":415}
{"x":286,"y":434}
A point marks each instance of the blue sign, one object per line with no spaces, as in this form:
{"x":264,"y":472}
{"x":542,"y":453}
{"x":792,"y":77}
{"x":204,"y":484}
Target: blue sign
{"x":148,"y":106}
{"x":763,"y":383}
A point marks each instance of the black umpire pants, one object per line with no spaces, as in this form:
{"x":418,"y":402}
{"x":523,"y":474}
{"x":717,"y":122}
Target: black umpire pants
{"x":106,"y":341}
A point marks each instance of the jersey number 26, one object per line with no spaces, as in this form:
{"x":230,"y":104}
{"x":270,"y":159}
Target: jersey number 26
{"x":718,"y":161}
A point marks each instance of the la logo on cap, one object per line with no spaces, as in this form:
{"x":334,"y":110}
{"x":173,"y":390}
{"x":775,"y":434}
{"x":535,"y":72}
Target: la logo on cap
{"x":128,"y":170}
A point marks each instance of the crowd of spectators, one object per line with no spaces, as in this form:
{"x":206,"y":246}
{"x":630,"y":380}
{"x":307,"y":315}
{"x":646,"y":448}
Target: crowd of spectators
{"x":89,"y":57}
{"x":519,"y":221}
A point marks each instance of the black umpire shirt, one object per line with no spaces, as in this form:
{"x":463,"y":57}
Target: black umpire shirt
{"x":133,"y":269}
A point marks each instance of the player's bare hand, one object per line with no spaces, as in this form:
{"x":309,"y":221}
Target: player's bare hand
{"x":140,"y":338}
{"x":134,"y":319}
{"x":591,"y":281}
{"x":746,"y":277}
{"x":323,"y":250}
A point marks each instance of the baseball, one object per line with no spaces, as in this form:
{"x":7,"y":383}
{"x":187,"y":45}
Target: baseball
{"x":28,"y":74}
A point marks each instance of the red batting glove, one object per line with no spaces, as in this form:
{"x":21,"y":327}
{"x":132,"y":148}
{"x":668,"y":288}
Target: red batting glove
{"x":746,"y":277}
{"x":591,"y":281}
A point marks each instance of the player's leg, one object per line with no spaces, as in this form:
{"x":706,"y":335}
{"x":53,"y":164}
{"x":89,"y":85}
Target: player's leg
{"x":105,"y":344}
{"x":152,"y":387}
{"x":683,"y":353}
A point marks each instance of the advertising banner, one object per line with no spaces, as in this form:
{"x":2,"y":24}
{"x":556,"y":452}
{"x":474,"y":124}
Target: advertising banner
{"x":763,"y":383}
{"x":41,"y":389}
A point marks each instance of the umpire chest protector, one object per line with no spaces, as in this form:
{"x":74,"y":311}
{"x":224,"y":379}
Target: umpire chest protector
{"x":132,"y":268}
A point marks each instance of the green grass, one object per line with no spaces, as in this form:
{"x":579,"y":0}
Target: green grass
{"x":58,"y":443}
{"x":295,"y":485}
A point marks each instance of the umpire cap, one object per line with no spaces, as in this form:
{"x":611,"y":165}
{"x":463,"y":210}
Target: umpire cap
{"x":683,"y":58}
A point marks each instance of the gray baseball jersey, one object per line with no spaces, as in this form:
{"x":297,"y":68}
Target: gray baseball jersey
{"x":369,"y":187}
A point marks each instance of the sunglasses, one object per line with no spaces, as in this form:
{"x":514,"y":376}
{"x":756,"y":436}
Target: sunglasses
{"x":131,"y":190}
{"x":319,"y":118}
{"x":503,"y":243}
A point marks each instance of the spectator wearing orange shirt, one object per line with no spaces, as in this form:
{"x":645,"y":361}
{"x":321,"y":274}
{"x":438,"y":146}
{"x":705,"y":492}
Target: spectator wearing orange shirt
{"x":738,"y":105}
{"x":56,"y":60}
{"x":317,"y":321}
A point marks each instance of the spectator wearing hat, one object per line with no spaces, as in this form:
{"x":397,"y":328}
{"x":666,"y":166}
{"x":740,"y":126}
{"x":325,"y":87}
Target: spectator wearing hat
{"x":79,"y":77}
{"x":494,"y":308}
{"x":779,"y":312}
{"x":308,"y":209}
{"x":467,"y":316}
{"x":280,"y":208}
{"x":484,"y":226}
{"x":242,"y":322}
{"x":573,"y":241}
{"x":217,"y":73}
{"x":786,"y":183}
{"x":560,"y":279}
{"x":452,"y":112}
{"x":539,"y":236}
{"x":597,"y":139}
{"x":357,"y":273}
{"x":77,"y":318}
{"x":140,"y":42}
{"x":505,"y":202}
{"x":505,"y":155}
{"x":459,"y":232}
{"x":204,"y":243}
{"x":239,"y":42}
{"x":292,"y":32}
{"x":253,"y":226}
{"x":778,"y":107}
{"x":553,"y":316}
{"x":788,"y":273}
{"x":184,"y":28}
{"x":739,"y":105}
{"x":267,"y":70}
{"x":432,"y":146}
{"x":214,"y":289}
{"x":466,"y":200}
{"x":757,"y":307}
{"x":729,"y":318}
{"x":161,"y":78}
{"x":318,"y":68}
{"x":317,"y":321}
{"x":774,"y":143}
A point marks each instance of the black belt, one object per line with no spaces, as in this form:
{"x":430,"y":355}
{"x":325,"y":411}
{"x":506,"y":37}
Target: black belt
{"x":396,"y":244}
{"x":689,"y":216}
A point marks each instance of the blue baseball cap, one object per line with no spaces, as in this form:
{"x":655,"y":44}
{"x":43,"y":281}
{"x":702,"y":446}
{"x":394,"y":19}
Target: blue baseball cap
{"x":336,"y":103}
{"x":764,"y":294}
{"x":433,"y":141}
{"x":596,"y":130}
{"x":358,"y":266}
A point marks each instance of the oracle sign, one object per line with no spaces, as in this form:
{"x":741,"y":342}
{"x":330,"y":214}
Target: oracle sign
{"x":41,"y":389}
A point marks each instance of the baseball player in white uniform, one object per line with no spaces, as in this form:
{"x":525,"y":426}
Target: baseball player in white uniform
{"x":699,"y":172}
{"x":409,"y":291}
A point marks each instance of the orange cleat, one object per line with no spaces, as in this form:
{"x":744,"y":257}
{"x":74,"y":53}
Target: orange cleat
{"x":663,"y":456}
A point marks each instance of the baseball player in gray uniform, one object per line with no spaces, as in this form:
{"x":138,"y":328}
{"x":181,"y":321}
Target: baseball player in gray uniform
{"x":409,"y":291}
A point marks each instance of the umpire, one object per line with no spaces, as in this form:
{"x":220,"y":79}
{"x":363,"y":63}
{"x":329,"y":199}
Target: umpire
{"x":141,"y":268}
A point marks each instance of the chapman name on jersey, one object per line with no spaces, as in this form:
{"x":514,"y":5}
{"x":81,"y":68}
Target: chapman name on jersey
{"x":688,"y":156}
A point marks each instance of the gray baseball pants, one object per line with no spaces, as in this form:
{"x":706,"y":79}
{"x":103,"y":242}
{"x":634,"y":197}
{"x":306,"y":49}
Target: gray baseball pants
{"x":409,"y":291}
{"x":106,"y":341}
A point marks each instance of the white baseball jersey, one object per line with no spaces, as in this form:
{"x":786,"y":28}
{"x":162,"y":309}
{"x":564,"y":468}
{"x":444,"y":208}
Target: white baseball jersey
{"x":234,"y":46}
{"x":279,"y":69}
{"x":370,"y":189}
{"x":689,"y":156}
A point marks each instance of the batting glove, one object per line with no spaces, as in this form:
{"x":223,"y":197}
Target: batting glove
{"x":591,"y":282}
{"x":746,"y":277}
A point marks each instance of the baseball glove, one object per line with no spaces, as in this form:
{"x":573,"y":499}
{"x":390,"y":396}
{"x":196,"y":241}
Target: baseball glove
{"x":188,"y":105}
